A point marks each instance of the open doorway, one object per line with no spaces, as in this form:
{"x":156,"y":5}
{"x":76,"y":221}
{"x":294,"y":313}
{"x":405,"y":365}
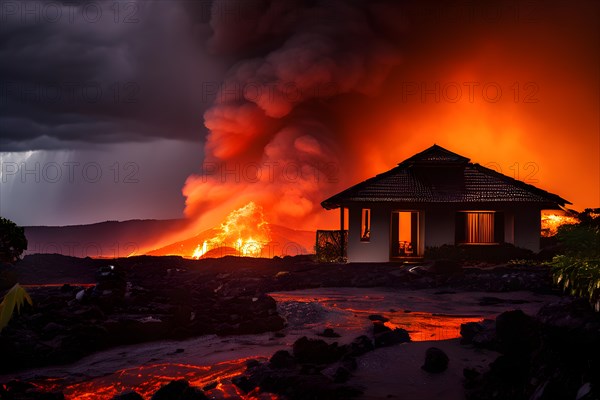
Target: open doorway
{"x":405,"y":234}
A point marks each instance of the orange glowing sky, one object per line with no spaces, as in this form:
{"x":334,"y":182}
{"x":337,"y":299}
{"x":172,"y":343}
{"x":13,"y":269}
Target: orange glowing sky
{"x":376,"y":83}
{"x":513,"y":87}
{"x":557,"y":129}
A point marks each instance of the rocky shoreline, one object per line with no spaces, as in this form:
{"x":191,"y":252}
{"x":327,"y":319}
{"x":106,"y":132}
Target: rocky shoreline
{"x":152,"y":298}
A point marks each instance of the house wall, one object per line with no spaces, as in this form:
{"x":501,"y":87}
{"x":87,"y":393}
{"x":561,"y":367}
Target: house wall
{"x":509,"y":226}
{"x":378,"y":248}
{"x":527,"y":226}
{"x":439,"y":227}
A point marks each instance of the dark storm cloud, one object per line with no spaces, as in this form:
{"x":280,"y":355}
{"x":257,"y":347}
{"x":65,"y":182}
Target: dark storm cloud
{"x":102,"y":71}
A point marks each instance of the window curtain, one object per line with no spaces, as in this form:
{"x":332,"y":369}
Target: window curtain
{"x":480,"y":227}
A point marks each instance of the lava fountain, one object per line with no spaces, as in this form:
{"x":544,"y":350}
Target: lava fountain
{"x":243,"y":232}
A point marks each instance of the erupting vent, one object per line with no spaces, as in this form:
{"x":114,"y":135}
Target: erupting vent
{"x":244,"y":232}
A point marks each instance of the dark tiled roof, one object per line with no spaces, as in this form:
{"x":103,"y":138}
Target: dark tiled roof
{"x":419,"y":179}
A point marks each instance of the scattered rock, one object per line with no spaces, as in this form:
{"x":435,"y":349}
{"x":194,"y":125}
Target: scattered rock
{"x":19,"y":390}
{"x":517,"y":332}
{"x":316,"y":351}
{"x":480,"y":334}
{"x":377,"y":317}
{"x":179,"y":390}
{"x":128,"y":395}
{"x":379,"y":327}
{"x":436,"y":360}
{"x":282,"y":359}
{"x":385,"y":336}
{"x":329,"y":333}
{"x":360,"y":346}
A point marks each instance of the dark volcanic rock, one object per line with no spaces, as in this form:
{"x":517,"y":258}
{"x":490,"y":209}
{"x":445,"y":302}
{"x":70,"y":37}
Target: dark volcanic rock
{"x":379,"y":327}
{"x":517,"y":332}
{"x":553,"y":356}
{"x":129,"y":395}
{"x":329,"y":333}
{"x":360,"y":346}
{"x":316,"y":351}
{"x":195,"y":297}
{"x":377,"y":317}
{"x":435,"y":360}
{"x":317,"y":370}
{"x":19,"y":390}
{"x":179,"y":390}
{"x":282,"y":359}
{"x":385,"y":336}
{"x":480,"y":334}
{"x":468,"y":331}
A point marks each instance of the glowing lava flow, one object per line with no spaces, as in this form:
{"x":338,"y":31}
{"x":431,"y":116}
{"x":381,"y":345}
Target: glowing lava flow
{"x":147,"y":379}
{"x":551,"y":223}
{"x":244,"y":230}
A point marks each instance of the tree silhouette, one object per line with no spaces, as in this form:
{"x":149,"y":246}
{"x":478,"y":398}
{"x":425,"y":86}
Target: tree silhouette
{"x":12,"y":241}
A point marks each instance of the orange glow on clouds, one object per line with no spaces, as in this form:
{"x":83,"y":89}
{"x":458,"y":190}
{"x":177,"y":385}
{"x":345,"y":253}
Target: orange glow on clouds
{"x":517,"y":93}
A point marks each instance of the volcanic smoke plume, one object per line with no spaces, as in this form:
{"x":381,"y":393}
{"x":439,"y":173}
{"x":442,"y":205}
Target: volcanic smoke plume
{"x":272,"y":138}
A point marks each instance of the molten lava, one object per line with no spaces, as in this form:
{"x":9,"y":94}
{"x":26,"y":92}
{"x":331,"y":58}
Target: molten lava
{"x":551,"y":223}
{"x":244,"y":230}
{"x":147,"y":379}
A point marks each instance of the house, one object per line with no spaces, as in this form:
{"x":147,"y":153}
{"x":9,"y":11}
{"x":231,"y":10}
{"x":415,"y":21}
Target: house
{"x":438,"y":197}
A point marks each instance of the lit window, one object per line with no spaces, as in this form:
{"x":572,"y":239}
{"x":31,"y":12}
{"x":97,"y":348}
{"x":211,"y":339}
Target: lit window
{"x":365,"y":230}
{"x":479,"y":227}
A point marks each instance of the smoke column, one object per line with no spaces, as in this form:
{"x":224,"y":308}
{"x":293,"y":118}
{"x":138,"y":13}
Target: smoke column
{"x":272,"y":136}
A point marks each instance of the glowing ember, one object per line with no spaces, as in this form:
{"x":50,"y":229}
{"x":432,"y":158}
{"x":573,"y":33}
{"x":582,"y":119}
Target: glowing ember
{"x":244,"y":230}
{"x":551,"y":223}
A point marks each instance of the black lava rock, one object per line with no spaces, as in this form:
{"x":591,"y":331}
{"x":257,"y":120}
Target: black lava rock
{"x":179,"y":390}
{"x":391,"y":337}
{"x":377,"y":317}
{"x":316,"y":351}
{"x":361,"y":345}
{"x":436,"y":360}
{"x":329,"y":333}
{"x":282,"y":359}
{"x":128,"y":395}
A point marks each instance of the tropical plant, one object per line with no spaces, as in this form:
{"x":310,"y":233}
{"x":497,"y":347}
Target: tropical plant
{"x":577,"y":271}
{"x":14,"y":298}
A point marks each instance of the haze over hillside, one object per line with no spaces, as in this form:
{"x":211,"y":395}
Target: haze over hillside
{"x":103,"y":239}
{"x":124,"y":238}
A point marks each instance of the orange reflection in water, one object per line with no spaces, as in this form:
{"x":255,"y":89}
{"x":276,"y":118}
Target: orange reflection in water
{"x":426,"y":326}
{"x":422,"y":326}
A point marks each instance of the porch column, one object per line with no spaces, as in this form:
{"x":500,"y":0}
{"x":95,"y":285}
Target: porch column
{"x":342,"y":231}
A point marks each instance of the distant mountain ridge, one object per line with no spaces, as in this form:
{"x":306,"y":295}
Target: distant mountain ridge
{"x":102,"y":239}
{"x":112,"y":239}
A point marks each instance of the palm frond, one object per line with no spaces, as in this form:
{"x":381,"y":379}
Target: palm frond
{"x":14,"y":298}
